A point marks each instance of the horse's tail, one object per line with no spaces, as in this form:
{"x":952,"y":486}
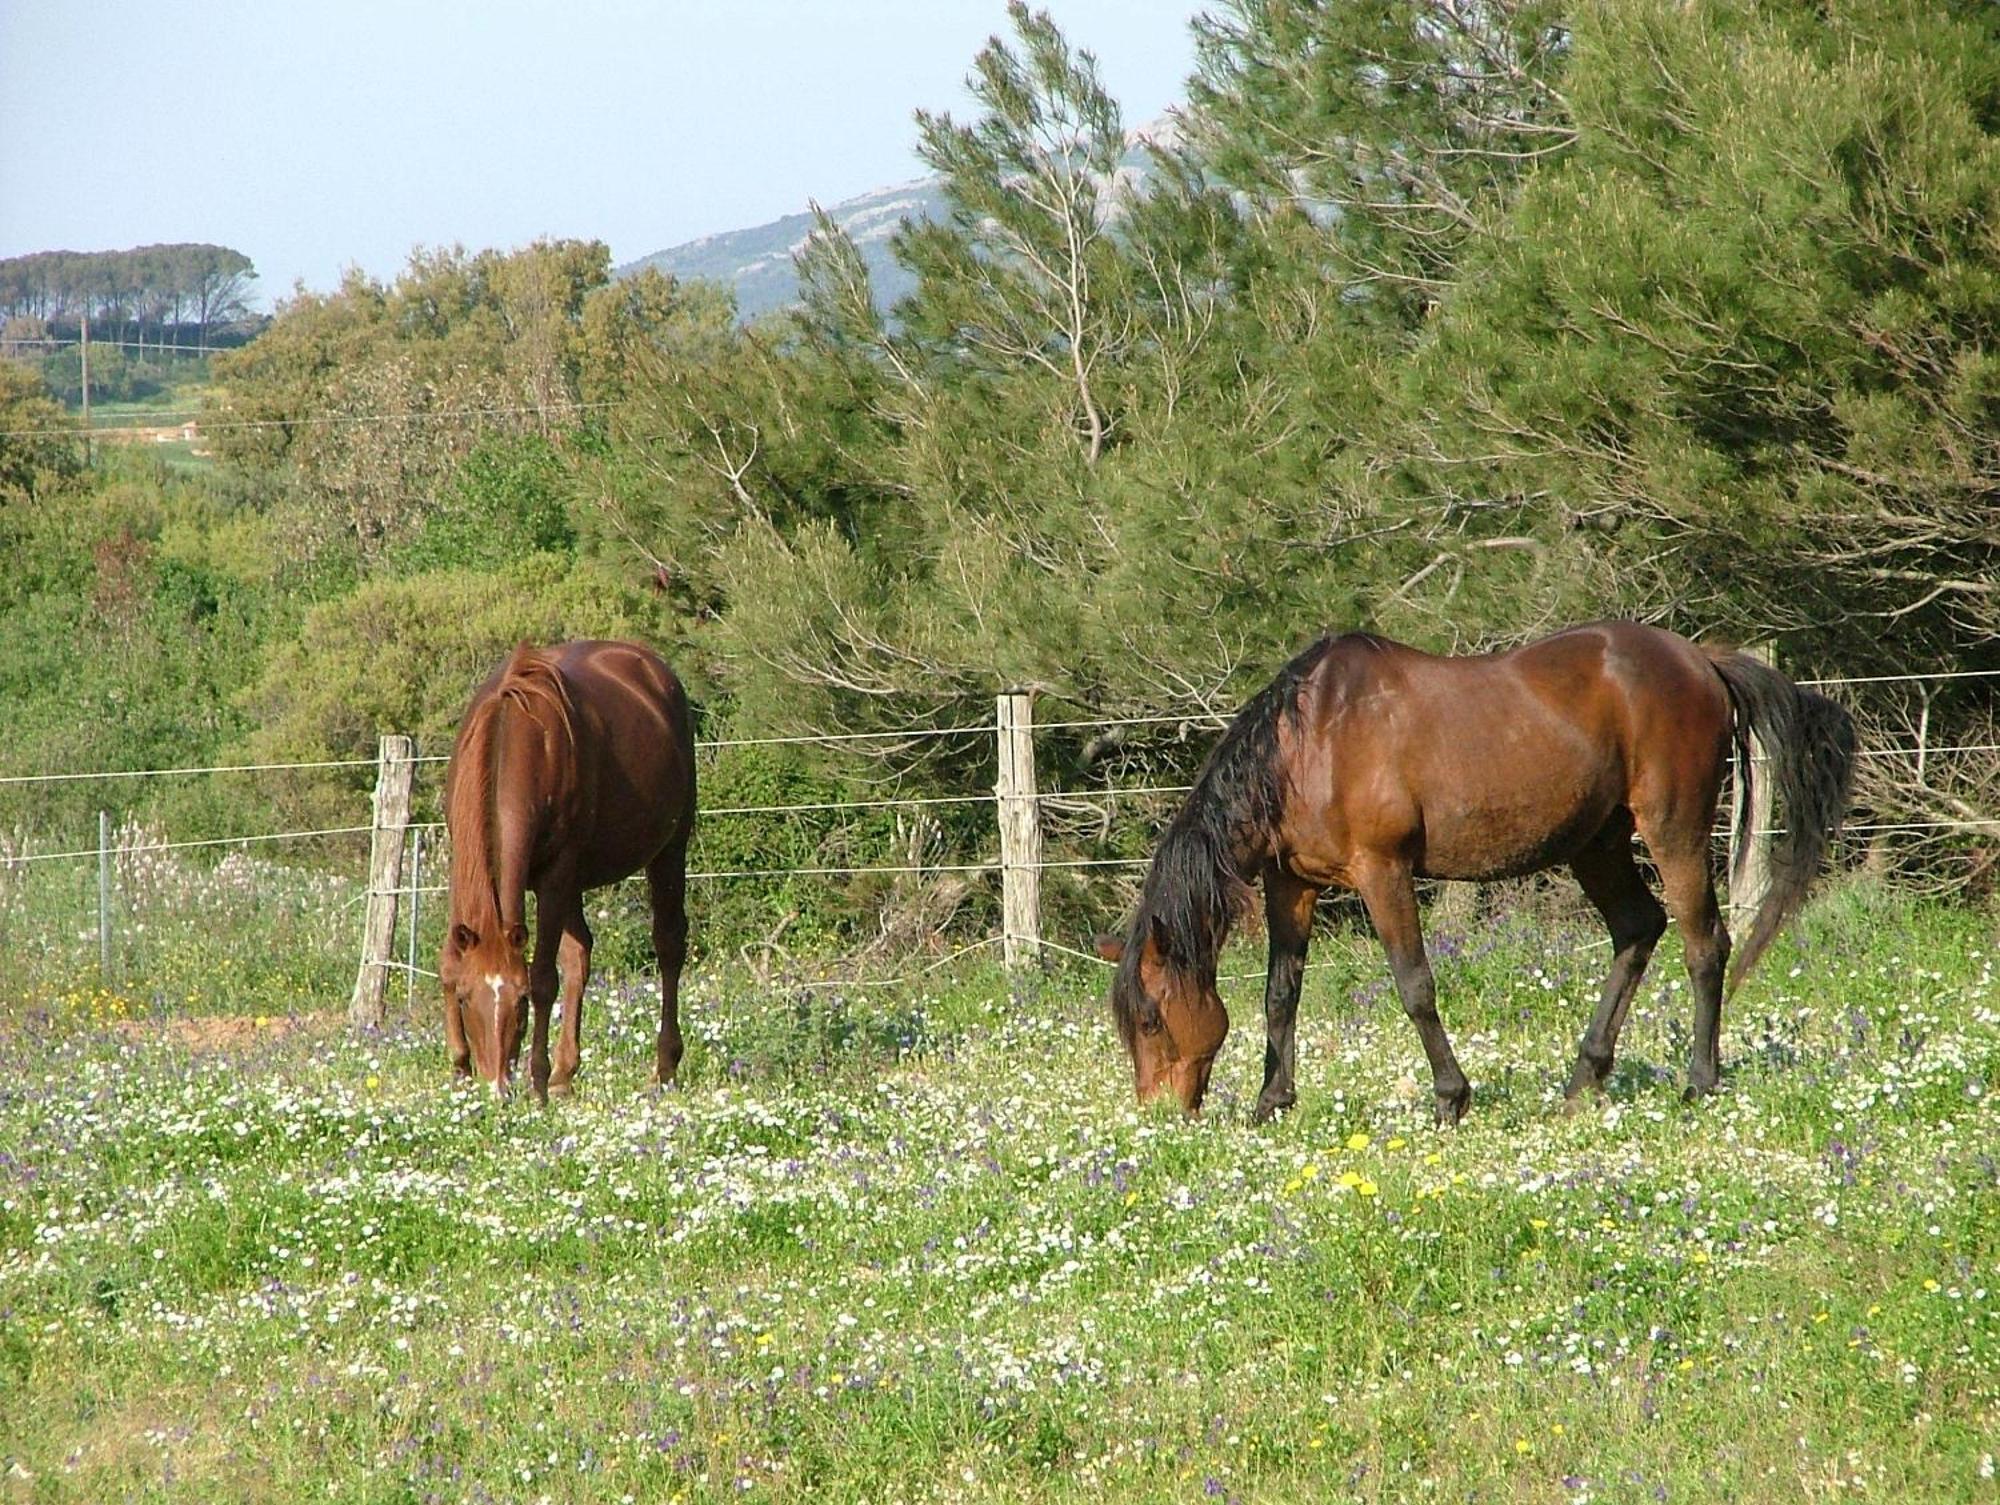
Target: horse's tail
{"x":1808,"y":744}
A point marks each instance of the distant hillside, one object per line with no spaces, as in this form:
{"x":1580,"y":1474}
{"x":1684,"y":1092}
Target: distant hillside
{"x":757,"y":263}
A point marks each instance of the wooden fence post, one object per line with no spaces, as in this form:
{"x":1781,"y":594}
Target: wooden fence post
{"x":1020,"y":833}
{"x":385,"y":872}
{"x":1750,"y":866}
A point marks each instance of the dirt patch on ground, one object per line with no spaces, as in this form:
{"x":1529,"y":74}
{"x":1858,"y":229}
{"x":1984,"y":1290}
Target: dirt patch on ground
{"x":228,"y":1032}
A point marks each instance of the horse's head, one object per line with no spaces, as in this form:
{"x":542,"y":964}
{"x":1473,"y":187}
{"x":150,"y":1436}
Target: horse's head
{"x":1172,"y":1023}
{"x":485,"y":979}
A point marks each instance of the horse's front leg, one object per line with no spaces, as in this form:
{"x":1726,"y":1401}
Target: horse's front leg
{"x":542,"y":987}
{"x":1288,"y":914}
{"x":575,"y":958}
{"x":454,"y":1034}
{"x":1387,"y":889}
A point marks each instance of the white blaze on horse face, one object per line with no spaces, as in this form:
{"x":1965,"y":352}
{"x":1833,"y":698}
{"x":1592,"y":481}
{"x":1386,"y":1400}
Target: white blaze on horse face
{"x":494,"y":982}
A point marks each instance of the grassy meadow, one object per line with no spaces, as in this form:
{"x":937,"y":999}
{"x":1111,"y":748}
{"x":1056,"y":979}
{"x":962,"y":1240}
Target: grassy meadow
{"x":916,"y":1243}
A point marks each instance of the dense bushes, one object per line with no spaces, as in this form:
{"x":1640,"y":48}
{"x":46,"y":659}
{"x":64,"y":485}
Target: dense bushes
{"x":1455,"y":321}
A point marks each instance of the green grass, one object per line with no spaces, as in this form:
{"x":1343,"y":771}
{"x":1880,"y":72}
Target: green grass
{"x":152,"y":410}
{"x":201,"y":931}
{"x":919,"y":1244}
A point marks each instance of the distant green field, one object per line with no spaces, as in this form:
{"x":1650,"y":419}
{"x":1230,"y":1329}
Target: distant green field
{"x":161,"y":407}
{"x":165,"y":409}
{"x":918,"y":1244}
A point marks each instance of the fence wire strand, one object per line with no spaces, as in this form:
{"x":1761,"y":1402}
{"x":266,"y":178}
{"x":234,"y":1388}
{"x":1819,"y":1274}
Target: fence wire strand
{"x":176,"y":846}
{"x":161,"y":773}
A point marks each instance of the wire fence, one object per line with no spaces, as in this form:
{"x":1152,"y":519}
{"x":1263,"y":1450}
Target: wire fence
{"x":1073,"y":855}
{"x":320,"y":420}
{"x":904,"y":736}
{"x":59,"y":342}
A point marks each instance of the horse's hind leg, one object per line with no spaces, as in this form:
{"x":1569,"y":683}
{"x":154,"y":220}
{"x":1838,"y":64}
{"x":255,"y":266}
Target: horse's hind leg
{"x":1611,"y":880}
{"x":574,"y":956}
{"x":1689,"y":882}
{"x":1391,"y":898}
{"x":668,"y":877}
{"x":1288,"y":909}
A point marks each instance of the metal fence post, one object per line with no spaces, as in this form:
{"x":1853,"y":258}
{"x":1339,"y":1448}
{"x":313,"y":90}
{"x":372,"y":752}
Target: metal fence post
{"x":104,"y":895}
{"x":1750,"y":866}
{"x":416,"y":912}
{"x":397,"y":768}
{"x":1020,"y":833}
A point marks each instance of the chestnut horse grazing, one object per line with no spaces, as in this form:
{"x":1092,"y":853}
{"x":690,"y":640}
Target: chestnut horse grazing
{"x":574,"y":767}
{"x":1370,"y":765}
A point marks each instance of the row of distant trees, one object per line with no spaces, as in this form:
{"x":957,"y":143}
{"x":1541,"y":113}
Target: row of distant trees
{"x":150,"y":293}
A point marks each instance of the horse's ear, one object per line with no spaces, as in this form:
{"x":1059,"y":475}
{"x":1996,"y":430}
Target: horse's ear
{"x":463,"y":938}
{"x":517,"y":936}
{"x":1110,"y":947}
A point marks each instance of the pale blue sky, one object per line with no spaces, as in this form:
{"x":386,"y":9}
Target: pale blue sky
{"x":310,"y":134}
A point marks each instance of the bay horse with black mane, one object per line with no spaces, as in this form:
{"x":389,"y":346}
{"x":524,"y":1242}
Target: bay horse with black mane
{"x":574,"y":767}
{"x":1366,"y":764}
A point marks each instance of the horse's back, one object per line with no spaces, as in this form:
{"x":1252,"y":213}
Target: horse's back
{"x":624,"y":681}
{"x":1497,"y":764}
{"x":638,"y":751}
{"x":631,"y":781}
{"x":1616,"y":682}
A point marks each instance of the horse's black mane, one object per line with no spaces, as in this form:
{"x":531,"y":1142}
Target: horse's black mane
{"x":1193,"y":890}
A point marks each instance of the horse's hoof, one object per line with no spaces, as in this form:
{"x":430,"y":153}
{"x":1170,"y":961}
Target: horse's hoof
{"x":1451,"y":1106}
{"x":1577,"y":1103}
{"x":559,"y":1089}
{"x":1266,"y":1111}
{"x":1587,"y":1081}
